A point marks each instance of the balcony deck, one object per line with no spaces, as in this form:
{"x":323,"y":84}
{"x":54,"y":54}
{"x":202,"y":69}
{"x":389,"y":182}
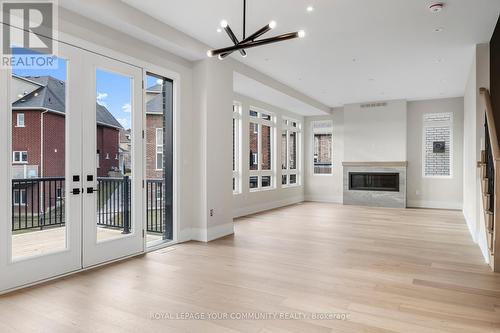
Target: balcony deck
{"x":39,"y":242}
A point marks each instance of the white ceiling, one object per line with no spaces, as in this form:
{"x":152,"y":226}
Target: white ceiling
{"x":255,"y":89}
{"x":355,"y":50}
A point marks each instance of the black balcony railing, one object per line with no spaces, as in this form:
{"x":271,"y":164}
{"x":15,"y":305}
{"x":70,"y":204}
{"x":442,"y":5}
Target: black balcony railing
{"x":39,"y":203}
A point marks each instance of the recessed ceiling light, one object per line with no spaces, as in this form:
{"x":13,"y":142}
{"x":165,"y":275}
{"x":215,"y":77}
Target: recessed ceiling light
{"x":436,"y":7}
{"x":371,"y":79}
{"x":310,"y":9}
{"x":439,"y":60}
{"x":219,"y":30}
{"x":439,"y":29}
{"x":354,"y":59}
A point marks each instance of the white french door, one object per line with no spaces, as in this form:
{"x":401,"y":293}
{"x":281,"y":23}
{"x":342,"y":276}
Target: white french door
{"x":112,"y":167}
{"x":40,"y":235}
{"x":71,"y":171}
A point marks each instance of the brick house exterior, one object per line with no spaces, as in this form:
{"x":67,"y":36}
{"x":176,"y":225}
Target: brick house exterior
{"x":38,"y":128}
{"x":154,"y":132}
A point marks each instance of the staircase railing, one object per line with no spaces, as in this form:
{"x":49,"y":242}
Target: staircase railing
{"x":490,"y":187}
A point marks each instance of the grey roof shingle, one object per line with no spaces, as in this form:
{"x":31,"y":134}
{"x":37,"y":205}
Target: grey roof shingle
{"x":50,"y":96}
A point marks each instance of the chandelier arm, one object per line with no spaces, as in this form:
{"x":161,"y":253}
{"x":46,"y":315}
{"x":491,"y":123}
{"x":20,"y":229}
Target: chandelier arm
{"x":249,"y":39}
{"x":231,"y":35}
{"x":256,"y":34}
{"x":256,"y":43}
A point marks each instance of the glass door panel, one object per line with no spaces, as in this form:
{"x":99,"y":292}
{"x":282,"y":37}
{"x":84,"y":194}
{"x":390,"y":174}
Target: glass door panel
{"x":159,"y":159}
{"x":113,"y":155}
{"x":40,"y":234}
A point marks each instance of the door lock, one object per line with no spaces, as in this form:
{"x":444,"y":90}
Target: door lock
{"x":91,"y":190}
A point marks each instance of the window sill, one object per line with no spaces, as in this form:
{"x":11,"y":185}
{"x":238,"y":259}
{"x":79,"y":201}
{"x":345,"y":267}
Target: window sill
{"x":322,"y":174}
{"x":257,"y":190}
{"x":291,"y":186}
{"x":19,"y":162}
{"x":20,"y":126}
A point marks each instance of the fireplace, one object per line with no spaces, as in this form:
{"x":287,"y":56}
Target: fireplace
{"x":375,"y":184}
{"x":374,"y":181}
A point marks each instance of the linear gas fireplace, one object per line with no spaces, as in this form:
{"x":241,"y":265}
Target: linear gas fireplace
{"x":373,"y":181}
{"x":376,"y":184}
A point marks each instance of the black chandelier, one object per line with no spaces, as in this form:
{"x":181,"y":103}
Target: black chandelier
{"x":250,"y":41}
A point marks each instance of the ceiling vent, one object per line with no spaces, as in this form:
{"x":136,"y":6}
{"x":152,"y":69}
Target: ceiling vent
{"x":374,"y":105}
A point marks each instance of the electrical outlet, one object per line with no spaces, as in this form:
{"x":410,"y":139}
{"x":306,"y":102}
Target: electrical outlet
{"x":212,"y":211}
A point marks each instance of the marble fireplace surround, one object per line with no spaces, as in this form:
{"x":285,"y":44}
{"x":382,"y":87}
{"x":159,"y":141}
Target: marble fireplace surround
{"x":376,"y":198}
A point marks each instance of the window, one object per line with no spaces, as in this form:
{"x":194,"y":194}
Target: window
{"x":437,"y":144}
{"x":20,"y":120}
{"x":261,"y":147}
{"x":159,"y":149}
{"x":290,"y":143}
{"x":20,"y":157}
{"x":107,"y":156}
{"x":236,"y":148}
{"x":322,"y":147}
{"x":19,"y":197}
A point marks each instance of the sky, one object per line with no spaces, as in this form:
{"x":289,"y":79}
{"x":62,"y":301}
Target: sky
{"x":113,"y":90}
{"x":114,"y":93}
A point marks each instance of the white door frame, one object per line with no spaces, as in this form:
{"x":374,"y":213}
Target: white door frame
{"x":94,"y":251}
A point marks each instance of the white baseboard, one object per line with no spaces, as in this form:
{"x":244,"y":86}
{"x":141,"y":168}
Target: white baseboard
{"x":434,"y":204}
{"x":266,"y":206}
{"x":212,"y":233}
{"x":323,"y":198}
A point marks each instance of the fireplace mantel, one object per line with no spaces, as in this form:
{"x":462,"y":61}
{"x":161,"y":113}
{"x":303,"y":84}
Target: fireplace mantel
{"x":396,"y":164}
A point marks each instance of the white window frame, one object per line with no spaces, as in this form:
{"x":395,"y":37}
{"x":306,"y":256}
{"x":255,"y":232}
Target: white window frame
{"x":21,"y":202}
{"x":259,"y":173}
{"x":288,"y":128}
{"x":20,"y":153}
{"x":20,"y":123}
{"x":427,"y":124}
{"x":158,"y":149}
{"x":321,"y":131}
{"x":237,"y":118}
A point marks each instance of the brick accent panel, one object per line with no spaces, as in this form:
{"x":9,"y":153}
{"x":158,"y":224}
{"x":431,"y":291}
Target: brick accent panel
{"x":437,"y":164}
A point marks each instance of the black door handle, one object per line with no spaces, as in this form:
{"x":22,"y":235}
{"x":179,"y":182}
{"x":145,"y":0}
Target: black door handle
{"x":91,"y":190}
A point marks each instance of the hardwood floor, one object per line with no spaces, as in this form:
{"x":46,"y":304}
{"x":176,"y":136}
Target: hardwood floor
{"x":389,"y":270}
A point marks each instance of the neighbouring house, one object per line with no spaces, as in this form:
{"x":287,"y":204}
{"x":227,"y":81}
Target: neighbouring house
{"x":38,"y":139}
{"x":154,"y":132}
{"x":125,"y":164}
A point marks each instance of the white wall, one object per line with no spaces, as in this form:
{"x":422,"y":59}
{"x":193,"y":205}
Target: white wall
{"x":325,"y":188}
{"x":251,"y":202}
{"x":213,"y":96}
{"x":434,"y":192}
{"x":473,"y":144}
{"x":375,"y":134}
